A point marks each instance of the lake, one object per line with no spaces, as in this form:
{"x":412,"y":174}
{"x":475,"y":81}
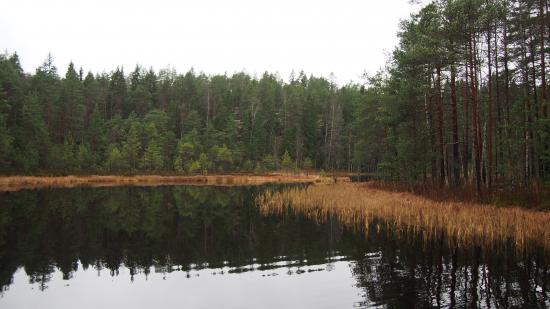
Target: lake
{"x":211,"y":247}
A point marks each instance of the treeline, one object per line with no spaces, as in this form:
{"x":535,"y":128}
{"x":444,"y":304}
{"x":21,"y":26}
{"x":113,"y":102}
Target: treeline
{"x":146,"y":121}
{"x":464,"y":100}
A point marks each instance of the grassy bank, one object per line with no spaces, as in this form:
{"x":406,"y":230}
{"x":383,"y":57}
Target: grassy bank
{"x":463,"y":223}
{"x":14,"y":183}
{"x":536,"y":196}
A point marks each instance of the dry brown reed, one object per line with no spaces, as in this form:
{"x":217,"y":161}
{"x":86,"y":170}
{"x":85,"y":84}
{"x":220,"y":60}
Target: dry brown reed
{"x":461,"y":223}
{"x":14,"y":183}
{"x":534,"y":196}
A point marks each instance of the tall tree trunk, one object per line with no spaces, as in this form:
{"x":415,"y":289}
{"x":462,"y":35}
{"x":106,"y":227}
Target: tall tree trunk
{"x":489,"y":116}
{"x":507,"y":119}
{"x":207,"y":106}
{"x":498,"y":138}
{"x":429,"y":123}
{"x":536,"y":140}
{"x":441,"y":143}
{"x":454,"y":120}
{"x":543,"y":59}
{"x":542,"y":16}
{"x":182,"y":117}
{"x":466,"y":109}
{"x":527,"y":109}
{"x":475,"y":116}
{"x":331,"y":136}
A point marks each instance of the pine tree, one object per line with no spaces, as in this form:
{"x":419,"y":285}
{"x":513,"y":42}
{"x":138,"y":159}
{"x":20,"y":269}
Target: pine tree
{"x":152,"y":157}
{"x":6,"y":140}
{"x":183,"y":156}
{"x":132,"y":147}
{"x":308,"y":164}
{"x":32,"y":138}
{"x":115,"y":160}
{"x":286,"y":161}
{"x":72,"y":109}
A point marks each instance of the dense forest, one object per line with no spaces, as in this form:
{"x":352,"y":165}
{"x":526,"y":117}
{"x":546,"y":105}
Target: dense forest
{"x":465,"y":97}
{"x":462,"y":100}
{"x":151,"y":122}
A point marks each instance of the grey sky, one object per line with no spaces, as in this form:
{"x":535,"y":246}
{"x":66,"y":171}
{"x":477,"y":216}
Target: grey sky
{"x":345,"y":37}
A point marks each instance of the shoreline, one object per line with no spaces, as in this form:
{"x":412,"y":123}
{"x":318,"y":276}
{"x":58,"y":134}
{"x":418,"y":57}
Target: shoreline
{"x":16,"y":183}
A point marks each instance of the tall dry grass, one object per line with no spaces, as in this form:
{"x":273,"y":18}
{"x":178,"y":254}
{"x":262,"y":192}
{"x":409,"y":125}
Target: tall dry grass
{"x":14,"y":183}
{"x":534,"y":196}
{"x":358,"y":205}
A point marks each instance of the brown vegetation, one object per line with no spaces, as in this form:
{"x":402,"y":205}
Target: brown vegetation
{"x":14,"y":183}
{"x":533,"y":197}
{"x":358,"y":205}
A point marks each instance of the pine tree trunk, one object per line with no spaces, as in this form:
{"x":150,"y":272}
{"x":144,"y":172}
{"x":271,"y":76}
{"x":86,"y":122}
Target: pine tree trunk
{"x":498,"y":137}
{"x":429,"y":121}
{"x":454,"y":115}
{"x":489,"y":116}
{"x":475,"y":116}
{"x":543,"y":60}
{"x":507,"y":120}
{"x":466,"y":109}
{"x":441,"y":143}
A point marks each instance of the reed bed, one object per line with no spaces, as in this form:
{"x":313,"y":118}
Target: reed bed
{"x":357,"y":205}
{"x":14,"y":183}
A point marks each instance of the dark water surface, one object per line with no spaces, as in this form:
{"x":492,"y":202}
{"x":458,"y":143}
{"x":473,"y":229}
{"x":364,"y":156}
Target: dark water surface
{"x":210,"y":247}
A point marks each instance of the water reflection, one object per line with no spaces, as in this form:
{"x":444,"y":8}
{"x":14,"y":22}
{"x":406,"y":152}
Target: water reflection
{"x":53,"y":237}
{"x":403,"y":273}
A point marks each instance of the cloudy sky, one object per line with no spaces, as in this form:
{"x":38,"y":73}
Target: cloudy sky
{"x":345,"y":37}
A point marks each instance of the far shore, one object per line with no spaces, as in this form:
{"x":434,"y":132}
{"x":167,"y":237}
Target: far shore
{"x":15,"y":183}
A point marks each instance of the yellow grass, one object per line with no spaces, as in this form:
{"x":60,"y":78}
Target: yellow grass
{"x":462,"y":223}
{"x":14,"y":183}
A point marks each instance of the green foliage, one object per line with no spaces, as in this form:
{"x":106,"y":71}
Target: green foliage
{"x":6,"y":140}
{"x":6,"y":146}
{"x":32,"y":136}
{"x":268,"y":163}
{"x":85,"y":158}
{"x":115,"y":160}
{"x":248,"y":165}
{"x":236,"y":121}
{"x":204,"y":163}
{"x":286,"y":161}
{"x":131,"y":148}
{"x":398,"y":123}
{"x":152,"y":159}
{"x":184,"y":153}
{"x":222,"y":157}
{"x":178,"y":165}
{"x":193,"y":167}
{"x":66,"y":155}
{"x":308,"y":164}
{"x":258,"y":169}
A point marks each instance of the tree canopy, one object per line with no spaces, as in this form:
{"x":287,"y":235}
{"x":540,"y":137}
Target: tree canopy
{"x":463,"y":100}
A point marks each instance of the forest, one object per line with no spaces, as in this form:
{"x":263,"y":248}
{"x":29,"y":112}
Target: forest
{"x":152,"y":122}
{"x":461,"y":101}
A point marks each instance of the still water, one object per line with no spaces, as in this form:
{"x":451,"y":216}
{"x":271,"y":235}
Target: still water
{"x":210,"y":247}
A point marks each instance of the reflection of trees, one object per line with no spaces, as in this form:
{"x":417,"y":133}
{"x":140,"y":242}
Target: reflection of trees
{"x":404,"y":273}
{"x":167,"y":228}
{"x":142,"y":228}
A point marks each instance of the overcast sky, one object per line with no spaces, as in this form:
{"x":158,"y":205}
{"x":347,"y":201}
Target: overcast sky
{"x":345,"y":37}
